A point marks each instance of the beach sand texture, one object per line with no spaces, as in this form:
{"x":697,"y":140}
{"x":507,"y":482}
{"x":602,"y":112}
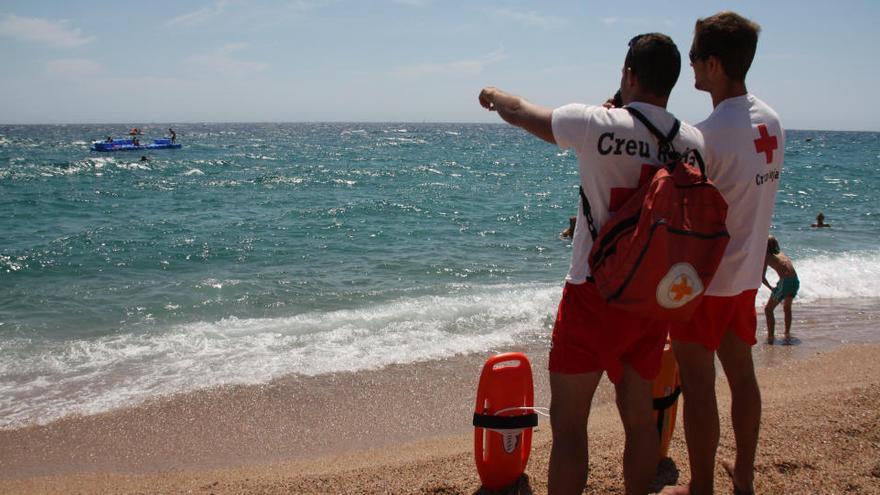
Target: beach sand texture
{"x":404,"y":429}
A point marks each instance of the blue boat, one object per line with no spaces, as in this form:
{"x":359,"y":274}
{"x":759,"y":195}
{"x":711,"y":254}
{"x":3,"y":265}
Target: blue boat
{"x":129,"y":145}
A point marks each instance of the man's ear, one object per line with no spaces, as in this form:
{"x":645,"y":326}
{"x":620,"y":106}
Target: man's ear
{"x":630,"y":78}
{"x":715,"y":69}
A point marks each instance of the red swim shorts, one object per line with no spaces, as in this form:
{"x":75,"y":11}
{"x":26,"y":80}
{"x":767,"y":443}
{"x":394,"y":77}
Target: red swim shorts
{"x":591,"y":336}
{"x":717,"y":316}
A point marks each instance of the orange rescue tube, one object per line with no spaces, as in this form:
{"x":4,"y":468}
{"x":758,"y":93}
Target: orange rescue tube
{"x":667,"y":388}
{"x":503,"y":420}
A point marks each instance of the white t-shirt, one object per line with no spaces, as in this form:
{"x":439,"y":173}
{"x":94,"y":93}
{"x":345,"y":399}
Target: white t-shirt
{"x":745,"y":148}
{"x":612,"y":147}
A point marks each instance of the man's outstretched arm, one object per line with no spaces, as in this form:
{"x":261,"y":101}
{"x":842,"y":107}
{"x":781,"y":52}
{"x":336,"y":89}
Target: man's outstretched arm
{"x":519,"y":112}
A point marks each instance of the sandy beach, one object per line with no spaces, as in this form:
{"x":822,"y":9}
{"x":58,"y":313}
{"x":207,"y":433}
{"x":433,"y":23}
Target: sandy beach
{"x":405,"y":429}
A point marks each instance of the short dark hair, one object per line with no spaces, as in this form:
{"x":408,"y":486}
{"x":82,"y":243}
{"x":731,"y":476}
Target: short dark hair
{"x":731,"y":38}
{"x":655,"y":61}
{"x":772,"y":245}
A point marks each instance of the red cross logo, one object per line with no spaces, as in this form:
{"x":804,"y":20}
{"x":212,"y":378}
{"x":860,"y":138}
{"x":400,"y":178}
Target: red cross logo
{"x":619,"y":195}
{"x":681,"y":289}
{"x":766,"y":143}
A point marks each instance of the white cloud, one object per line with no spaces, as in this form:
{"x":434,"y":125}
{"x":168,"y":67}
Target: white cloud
{"x":73,"y":67}
{"x":468,"y":67}
{"x":222,"y":61}
{"x":530,"y":19}
{"x":249,"y":14}
{"x":45,"y":31}
{"x":199,"y":16}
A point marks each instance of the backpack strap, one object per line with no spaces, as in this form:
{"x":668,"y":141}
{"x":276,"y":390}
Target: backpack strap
{"x":588,"y":212}
{"x":665,"y":140}
{"x":699,"y":159}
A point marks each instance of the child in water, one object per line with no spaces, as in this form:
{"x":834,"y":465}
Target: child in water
{"x":569,"y":232}
{"x":786,"y":288}
{"x":820,"y":221}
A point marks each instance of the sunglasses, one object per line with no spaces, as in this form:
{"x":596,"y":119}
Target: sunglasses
{"x":695,"y":55}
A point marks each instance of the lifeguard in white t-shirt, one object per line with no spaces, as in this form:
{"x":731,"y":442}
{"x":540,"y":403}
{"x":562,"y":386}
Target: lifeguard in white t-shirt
{"x":744,"y":153}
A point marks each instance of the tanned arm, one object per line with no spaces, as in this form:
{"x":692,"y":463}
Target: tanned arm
{"x":519,"y":112}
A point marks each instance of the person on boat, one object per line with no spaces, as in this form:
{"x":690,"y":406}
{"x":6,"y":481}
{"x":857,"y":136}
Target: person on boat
{"x":136,"y":141}
{"x":820,"y":221}
{"x":786,"y":287}
{"x":109,"y":139}
{"x":173,"y":135}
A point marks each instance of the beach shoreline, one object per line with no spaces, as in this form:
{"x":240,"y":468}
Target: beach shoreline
{"x":405,"y":429}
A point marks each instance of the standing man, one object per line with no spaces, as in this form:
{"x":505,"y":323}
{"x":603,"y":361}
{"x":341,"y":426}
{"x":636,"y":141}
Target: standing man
{"x":615,"y":154}
{"x":744,"y":152}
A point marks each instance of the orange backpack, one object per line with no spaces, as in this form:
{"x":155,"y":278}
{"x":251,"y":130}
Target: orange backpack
{"x":659,"y":251}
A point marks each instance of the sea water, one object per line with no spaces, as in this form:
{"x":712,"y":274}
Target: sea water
{"x":264,"y":250}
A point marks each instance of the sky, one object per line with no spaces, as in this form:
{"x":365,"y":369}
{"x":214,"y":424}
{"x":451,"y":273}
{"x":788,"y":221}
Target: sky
{"x":406,"y":60}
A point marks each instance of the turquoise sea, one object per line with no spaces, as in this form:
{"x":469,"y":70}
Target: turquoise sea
{"x":263,"y":250}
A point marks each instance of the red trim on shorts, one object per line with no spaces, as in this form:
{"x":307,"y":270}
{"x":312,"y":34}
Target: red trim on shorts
{"x":589,"y":336}
{"x":717,"y":316}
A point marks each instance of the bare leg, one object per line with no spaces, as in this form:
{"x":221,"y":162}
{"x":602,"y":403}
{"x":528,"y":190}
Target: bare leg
{"x":771,"y":320}
{"x":786,"y":308}
{"x":635,"y":406}
{"x":701,"y":428}
{"x":745,"y":411}
{"x":571,"y":396}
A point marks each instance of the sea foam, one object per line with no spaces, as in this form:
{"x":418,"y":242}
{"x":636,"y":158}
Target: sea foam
{"x":41,"y":382}
{"x":38,"y":385}
{"x":834,"y":276}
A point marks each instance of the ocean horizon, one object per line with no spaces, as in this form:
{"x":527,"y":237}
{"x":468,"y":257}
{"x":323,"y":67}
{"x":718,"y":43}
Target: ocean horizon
{"x":161,"y":127}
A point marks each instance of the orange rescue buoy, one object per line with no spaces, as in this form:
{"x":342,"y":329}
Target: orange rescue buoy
{"x":667,"y":388}
{"x":503,"y":419}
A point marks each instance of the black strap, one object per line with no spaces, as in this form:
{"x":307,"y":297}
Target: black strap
{"x":667,"y":150}
{"x":665,"y":140}
{"x":662,"y":403}
{"x":588,"y":212}
{"x":491,"y":422}
{"x":700,"y":163}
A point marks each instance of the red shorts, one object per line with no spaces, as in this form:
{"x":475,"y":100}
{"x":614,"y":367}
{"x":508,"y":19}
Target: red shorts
{"x":717,"y":316}
{"x":591,"y":336}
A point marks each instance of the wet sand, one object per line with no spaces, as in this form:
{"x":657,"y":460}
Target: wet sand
{"x":406,"y":429}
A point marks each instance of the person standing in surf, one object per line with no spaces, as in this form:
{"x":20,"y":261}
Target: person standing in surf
{"x":785,"y":291}
{"x":615,"y":153}
{"x":744,"y":153}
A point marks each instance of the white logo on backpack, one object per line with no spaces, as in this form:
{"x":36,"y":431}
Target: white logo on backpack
{"x":679,"y":286}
